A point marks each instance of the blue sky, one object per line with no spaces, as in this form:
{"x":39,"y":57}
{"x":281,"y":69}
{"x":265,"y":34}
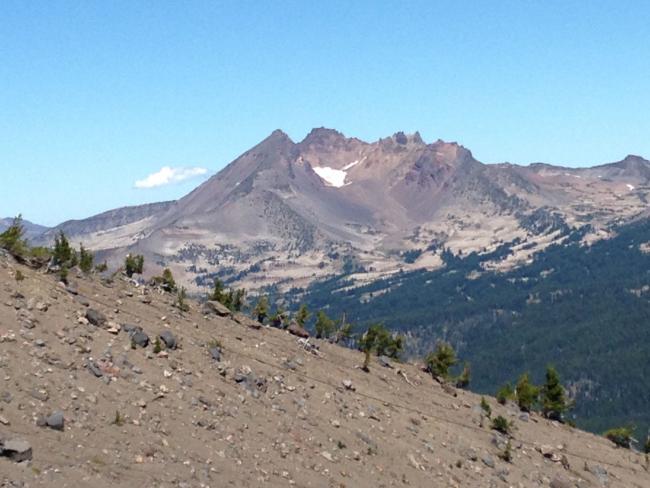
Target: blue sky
{"x":96,"y":96}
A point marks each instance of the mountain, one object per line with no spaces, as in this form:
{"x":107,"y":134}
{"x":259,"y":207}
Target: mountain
{"x":32,"y":231}
{"x":284,"y":213}
{"x":86,"y":401}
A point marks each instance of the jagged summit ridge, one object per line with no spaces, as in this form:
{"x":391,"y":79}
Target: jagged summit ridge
{"x":291,"y":212}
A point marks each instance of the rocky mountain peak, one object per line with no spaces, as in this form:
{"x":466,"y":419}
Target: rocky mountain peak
{"x":322,"y":135}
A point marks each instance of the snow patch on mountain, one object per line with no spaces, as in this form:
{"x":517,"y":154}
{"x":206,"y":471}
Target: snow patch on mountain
{"x":351,"y":165}
{"x":331,"y":176}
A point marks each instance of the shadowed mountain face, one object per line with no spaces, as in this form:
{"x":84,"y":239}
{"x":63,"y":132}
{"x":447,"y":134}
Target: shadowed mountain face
{"x":286,"y":213}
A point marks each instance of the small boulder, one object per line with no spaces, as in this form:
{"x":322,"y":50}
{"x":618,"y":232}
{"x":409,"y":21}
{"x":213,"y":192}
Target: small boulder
{"x":297,"y":330}
{"x":242,"y":319}
{"x":72,"y":289}
{"x":140,"y":338}
{"x":488,"y":461}
{"x":561,"y":482}
{"x":95,"y":317}
{"x":130,"y":329}
{"x":212,"y":307}
{"x":94,"y":369}
{"x":384,"y":361}
{"x":17,"y":450}
{"x":169,"y":340}
{"x":215,"y":352}
{"x":55,"y":421}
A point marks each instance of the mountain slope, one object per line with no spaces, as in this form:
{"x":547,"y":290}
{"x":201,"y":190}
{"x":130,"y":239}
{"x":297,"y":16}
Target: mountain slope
{"x":265,"y":410}
{"x":286,"y":213}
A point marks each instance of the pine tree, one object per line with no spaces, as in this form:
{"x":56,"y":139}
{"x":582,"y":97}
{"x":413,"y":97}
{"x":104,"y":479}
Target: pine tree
{"x":343,"y":331}
{"x":168,"y":282}
{"x":237,"y":299}
{"x":218,"y":294}
{"x":133,"y":264}
{"x":379,"y":340}
{"x":12,"y":239}
{"x":441,"y":360}
{"x":553,"y":400}
{"x":324,"y":325}
{"x":302,"y":315}
{"x":526,"y":392}
{"x":62,"y":253}
{"x":85,"y":259}
{"x":261,"y":310}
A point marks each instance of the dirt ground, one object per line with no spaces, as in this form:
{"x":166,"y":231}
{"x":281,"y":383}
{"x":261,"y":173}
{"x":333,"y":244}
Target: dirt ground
{"x":269,"y":412}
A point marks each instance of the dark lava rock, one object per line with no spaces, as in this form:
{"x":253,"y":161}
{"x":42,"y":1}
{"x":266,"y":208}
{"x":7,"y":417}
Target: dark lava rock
{"x":169,"y":339}
{"x":55,"y":421}
{"x":140,"y":338}
{"x":95,"y":317}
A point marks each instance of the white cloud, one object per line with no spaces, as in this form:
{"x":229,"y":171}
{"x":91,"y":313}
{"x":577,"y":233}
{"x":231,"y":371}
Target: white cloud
{"x":168,"y":176}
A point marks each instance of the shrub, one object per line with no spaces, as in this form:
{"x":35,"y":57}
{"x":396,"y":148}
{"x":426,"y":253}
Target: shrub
{"x":485,"y":406}
{"x":324,"y":325}
{"x":133,"y":264}
{"x":554,"y":403}
{"x":119,"y":419}
{"x":19,"y":276}
{"x":441,"y":360}
{"x":505,"y":393}
{"x":506,"y":454}
{"x":156,"y":346}
{"x":40,"y":255}
{"x":621,"y":436}
{"x":100,"y":268}
{"x":527,"y":393}
{"x":166,"y":281}
{"x":501,"y":424}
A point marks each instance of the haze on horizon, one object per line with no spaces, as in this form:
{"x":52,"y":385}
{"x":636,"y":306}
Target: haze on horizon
{"x":106,"y":105}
